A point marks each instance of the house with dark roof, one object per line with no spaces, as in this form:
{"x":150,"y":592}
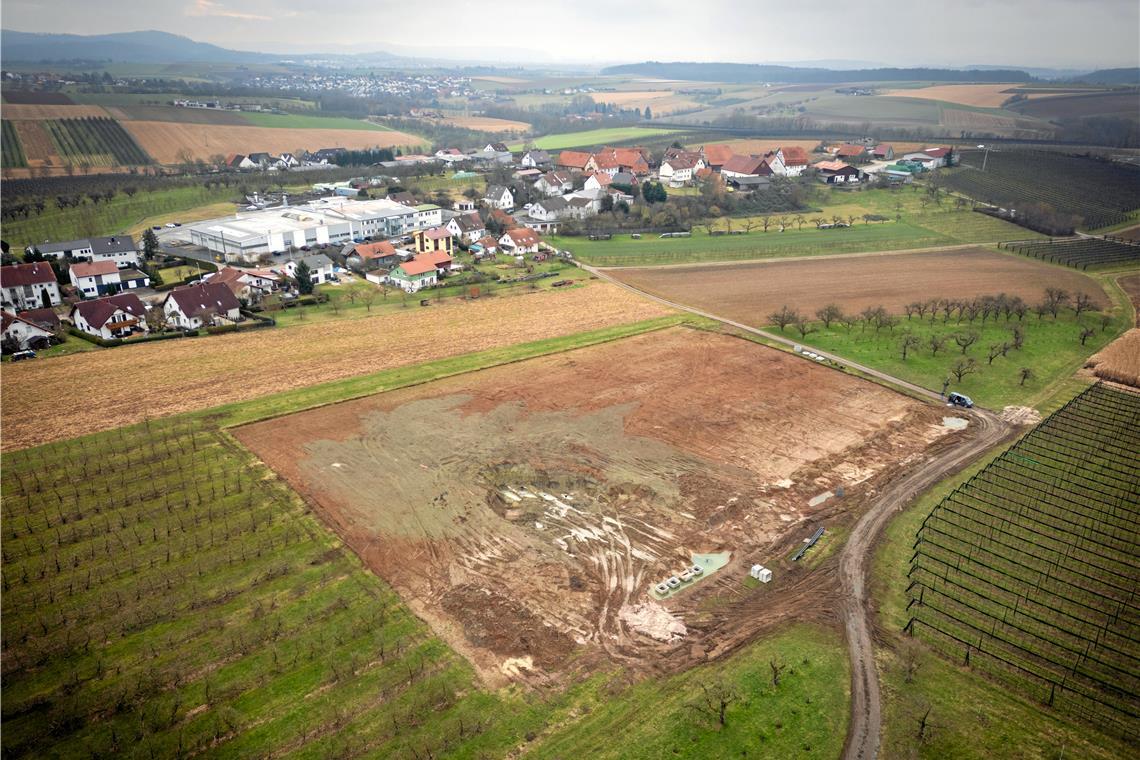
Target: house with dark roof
{"x":838,"y":173}
{"x":118,"y":316}
{"x":28,"y":286}
{"x":466,"y":227}
{"x":550,"y":209}
{"x":554,"y":183}
{"x":92,"y":279}
{"x":45,"y":318}
{"x":121,"y":249}
{"x":320,"y":268}
{"x":192,"y":306}
{"x":239,"y":161}
{"x":368,"y":257}
{"x":499,"y":197}
{"x":250,"y":284}
{"x":23,"y":333}
{"x":404,"y":198}
{"x":535,"y":159}
{"x":497,"y":147}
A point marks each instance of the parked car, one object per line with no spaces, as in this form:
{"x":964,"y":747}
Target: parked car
{"x":959,"y":399}
{"x":20,"y":356}
{"x":171,"y":225}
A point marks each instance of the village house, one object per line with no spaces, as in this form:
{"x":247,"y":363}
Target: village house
{"x":28,"y":286}
{"x":404,"y":198}
{"x":837,"y":173}
{"x":527,"y":175}
{"x":550,"y":209}
{"x":496,"y":148}
{"x":520,"y":241}
{"x":250,"y":284}
{"x":192,"y":306}
{"x":716,"y":156}
{"x":118,"y":316}
{"x":584,"y":204}
{"x":45,"y":318}
{"x":535,"y":159}
{"x":573,"y":160}
{"x":775,"y":161}
{"x":92,"y":279}
{"x":320,"y":266}
{"x":120,"y":248}
{"x":554,"y":183}
{"x":598,"y":182}
{"x":795,"y":160}
{"x":414,"y":275}
{"x":884,"y":152}
{"x":614,"y":160}
{"x":239,"y":162}
{"x":368,"y":257}
{"x":745,"y":166}
{"x":23,"y":333}
{"x":467,"y":227}
{"x":428,"y":215}
{"x":499,"y":197}
{"x":679,"y":170}
{"x":443,"y":262}
{"x":849,"y":152}
{"x":485,"y":246}
{"x":435,"y":239}
{"x":942,"y":156}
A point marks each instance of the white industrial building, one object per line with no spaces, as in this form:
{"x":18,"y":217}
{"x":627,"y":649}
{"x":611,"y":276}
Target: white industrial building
{"x":247,"y":236}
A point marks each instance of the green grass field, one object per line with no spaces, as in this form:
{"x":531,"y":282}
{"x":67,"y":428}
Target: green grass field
{"x":1052,"y":349}
{"x":590,"y":138}
{"x":304,"y":121}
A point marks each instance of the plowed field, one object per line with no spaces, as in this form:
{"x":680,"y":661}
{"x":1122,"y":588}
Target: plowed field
{"x":165,"y":141}
{"x":525,"y":511}
{"x":37,"y":144}
{"x":39,"y":112}
{"x":749,"y":292}
{"x":167,"y":377}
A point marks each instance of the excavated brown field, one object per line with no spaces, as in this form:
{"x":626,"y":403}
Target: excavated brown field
{"x":525,"y":511}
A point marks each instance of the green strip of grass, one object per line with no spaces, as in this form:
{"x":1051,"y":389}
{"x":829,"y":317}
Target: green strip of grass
{"x":304,"y":121}
{"x":590,"y":137}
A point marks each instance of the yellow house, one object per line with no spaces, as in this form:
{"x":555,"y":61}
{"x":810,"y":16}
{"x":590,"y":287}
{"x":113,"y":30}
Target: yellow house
{"x":434,"y":239}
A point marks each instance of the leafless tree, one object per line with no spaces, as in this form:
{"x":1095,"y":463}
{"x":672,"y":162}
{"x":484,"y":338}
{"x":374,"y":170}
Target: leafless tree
{"x":713,"y":701}
{"x":1086,"y":333}
{"x":804,"y":328}
{"x":367,"y":297}
{"x":1018,"y":333}
{"x":1082,"y":302}
{"x":909,"y":341}
{"x":995,"y":350}
{"x":828,"y":314}
{"x":1056,"y":299}
{"x":777,"y":669}
{"x":936,"y":343}
{"x":1025,"y":373}
{"x":784,"y":317}
{"x":966,"y":339}
{"x":963,"y":367}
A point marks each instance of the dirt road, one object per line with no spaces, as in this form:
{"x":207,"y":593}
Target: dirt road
{"x":863,"y":732}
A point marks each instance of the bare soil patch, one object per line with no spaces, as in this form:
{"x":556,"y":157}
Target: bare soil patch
{"x":750,"y":292}
{"x":168,"y":377}
{"x":166,"y":141}
{"x":37,"y":144}
{"x":1131,"y":286}
{"x":37,"y":97}
{"x":757,"y":146}
{"x":525,"y":511}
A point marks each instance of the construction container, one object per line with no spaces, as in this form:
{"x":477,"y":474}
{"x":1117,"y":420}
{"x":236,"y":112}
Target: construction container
{"x":761,"y":573}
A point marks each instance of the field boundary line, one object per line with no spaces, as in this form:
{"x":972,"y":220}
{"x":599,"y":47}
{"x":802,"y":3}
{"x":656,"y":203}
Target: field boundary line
{"x":781,"y":259}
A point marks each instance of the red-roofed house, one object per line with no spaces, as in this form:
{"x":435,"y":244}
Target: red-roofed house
{"x":245,"y":283}
{"x":435,"y":239}
{"x":716,"y":156}
{"x":414,"y":275}
{"x":119,"y":316}
{"x":573,"y":160}
{"x":519,"y":241}
{"x":679,"y":170}
{"x":23,"y":333}
{"x":941,"y":156}
{"x":884,"y":152}
{"x":192,"y":306}
{"x":442,"y":261}
{"x":100,"y":278}
{"x":28,"y":286}
{"x":795,"y":160}
{"x":740,"y":167}
{"x":598,"y":181}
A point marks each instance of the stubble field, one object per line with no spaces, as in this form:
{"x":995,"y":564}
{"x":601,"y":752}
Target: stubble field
{"x":526,"y":511}
{"x":980,"y":95}
{"x":167,"y":377}
{"x":750,"y":292}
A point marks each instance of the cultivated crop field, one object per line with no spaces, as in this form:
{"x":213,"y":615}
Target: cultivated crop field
{"x":1079,"y":253}
{"x":487,"y":124}
{"x":45,"y":111}
{"x":526,"y":510}
{"x":750,"y":292}
{"x":981,"y":95}
{"x":98,"y":142}
{"x":167,"y":142}
{"x":11,"y":153}
{"x":168,"y":377}
{"x":591,"y":137}
{"x":1100,"y":192}
{"x":1028,"y":572}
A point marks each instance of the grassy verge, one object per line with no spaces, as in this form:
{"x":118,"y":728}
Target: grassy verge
{"x":804,"y":716}
{"x":970,"y":717}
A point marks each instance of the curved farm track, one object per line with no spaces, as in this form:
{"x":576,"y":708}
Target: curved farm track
{"x":844,"y":583}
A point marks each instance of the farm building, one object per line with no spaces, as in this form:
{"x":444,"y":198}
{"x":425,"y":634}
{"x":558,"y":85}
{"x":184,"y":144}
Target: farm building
{"x":837,"y":173}
{"x":28,"y":286}
{"x":745,"y":166}
{"x":118,"y":316}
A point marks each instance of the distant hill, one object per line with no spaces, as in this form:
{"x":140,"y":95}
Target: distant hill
{"x":123,"y":47}
{"x":1111,"y":76}
{"x":749,"y":72}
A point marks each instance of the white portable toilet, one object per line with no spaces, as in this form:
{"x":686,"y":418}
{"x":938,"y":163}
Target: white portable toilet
{"x":761,"y":573}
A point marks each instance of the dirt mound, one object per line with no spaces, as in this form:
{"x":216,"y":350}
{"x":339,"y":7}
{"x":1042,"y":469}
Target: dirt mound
{"x":653,"y":620}
{"x":1119,"y":361}
{"x":1020,"y":415}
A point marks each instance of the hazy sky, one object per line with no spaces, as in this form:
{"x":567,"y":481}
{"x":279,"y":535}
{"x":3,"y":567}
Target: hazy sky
{"x":1060,"y":33}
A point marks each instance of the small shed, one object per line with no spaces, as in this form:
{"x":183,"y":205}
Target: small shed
{"x":761,"y":573}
